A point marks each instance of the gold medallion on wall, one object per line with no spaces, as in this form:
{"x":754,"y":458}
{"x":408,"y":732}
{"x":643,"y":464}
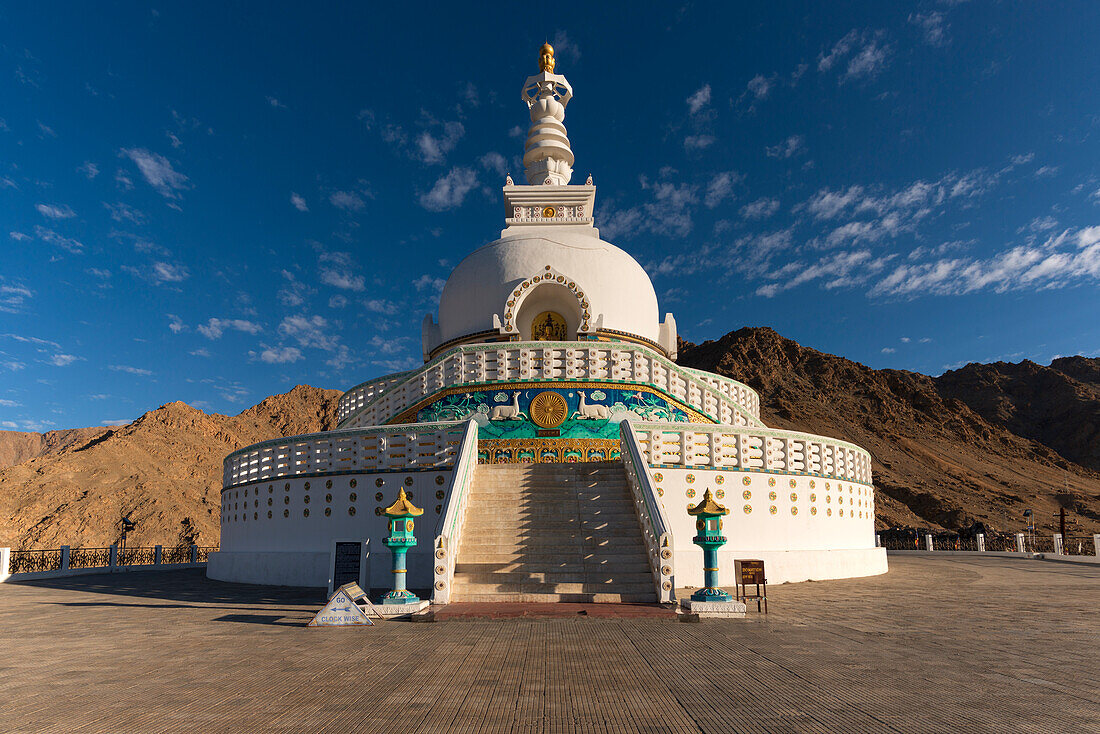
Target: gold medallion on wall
{"x":548,"y":409}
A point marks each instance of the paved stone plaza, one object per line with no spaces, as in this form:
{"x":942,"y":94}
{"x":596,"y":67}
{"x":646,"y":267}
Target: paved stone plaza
{"x":945,"y":643}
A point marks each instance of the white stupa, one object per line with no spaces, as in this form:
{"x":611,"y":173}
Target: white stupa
{"x":549,"y":383}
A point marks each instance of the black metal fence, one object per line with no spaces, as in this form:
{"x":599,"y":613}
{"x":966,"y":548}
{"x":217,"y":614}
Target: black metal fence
{"x":1072,"y":545}
{"x":34,"y":561}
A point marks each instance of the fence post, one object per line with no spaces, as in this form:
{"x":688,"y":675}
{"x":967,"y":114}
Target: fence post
{"x":158,"y":554}
{"x":64,"y":558}
{"x":981,"y":542}
{"x":1095,"y":547}
{"x":194,"y":553}
{"x":928,"y":541}
{"x":1019,"y":542}
{"x":878,"y":540}
{"x":1058,"y":544}
{"x":5,"y":563}
{"x":114,"y":556}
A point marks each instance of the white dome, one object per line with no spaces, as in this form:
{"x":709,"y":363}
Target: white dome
{"x":611,"y":282}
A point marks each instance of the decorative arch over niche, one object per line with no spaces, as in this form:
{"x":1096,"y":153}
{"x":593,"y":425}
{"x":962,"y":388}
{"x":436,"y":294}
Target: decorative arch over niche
{"x":547,"y":290}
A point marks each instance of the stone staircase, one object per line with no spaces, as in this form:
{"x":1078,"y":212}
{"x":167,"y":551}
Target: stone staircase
{"x":552,"y":532}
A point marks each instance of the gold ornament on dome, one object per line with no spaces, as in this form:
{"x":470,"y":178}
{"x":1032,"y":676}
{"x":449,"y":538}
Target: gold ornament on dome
{"x":548,"y":409}
{"x":546,"y":58}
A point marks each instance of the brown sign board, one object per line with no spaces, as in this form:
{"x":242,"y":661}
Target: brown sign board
{"x":749,"y":571}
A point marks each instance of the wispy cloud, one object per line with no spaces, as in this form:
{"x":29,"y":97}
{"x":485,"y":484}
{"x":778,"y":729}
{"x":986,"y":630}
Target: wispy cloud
{"x":933,"y":27}
{"x":89,"y":169}
{"x":138,"y":371}
{"x":450,"y":190}
{"x":434,"y":145}
{"x":157,"y":171}
{"x":298,"y":202}
{"x":215,"y":327}
{"x":55,"y":211}
{"x":866,"y":52}
{"x":699,"y":99}
{"x":349,"y":201}
{"x":721,"y":188}
{"x":68,"y":244}
{"x":64,"y":360}
{"x":277,"y":355}
{"x":760,"y":209}
{"x":792,"y":146}
{"x":338,"y":270}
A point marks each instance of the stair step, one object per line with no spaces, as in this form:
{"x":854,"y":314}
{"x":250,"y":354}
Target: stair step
{"x":549,"y":598}
{"x":570,"y":576}
{"x":566,"y":587}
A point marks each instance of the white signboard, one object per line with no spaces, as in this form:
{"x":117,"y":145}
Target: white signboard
{"x":341,"y":611}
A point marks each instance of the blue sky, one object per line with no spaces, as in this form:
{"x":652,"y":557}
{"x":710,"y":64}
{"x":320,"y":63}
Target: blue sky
{"x":213,"y":202}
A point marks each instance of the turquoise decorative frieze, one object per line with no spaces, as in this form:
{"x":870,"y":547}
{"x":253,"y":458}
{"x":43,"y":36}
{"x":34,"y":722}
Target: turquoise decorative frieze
{"x":505,"y":412}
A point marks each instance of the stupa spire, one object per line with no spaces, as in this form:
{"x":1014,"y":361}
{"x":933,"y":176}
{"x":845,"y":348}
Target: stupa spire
{"x":547,"y":157}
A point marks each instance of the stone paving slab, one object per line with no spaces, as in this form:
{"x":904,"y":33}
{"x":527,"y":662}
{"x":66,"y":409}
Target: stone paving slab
{"x":959,"y":644}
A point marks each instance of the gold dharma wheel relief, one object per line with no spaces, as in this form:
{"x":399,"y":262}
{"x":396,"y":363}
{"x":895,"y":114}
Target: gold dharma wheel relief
{"x":549,"y":212}
{"x":549,"y":409}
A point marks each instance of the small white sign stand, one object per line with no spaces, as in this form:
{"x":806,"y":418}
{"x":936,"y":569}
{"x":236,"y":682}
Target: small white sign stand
{"x":343,"y":609}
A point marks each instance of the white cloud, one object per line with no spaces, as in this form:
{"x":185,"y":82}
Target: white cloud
{"x":295,"y":292}
{"x":13,"y":296}
{"x":337,"y":301}
{"x":278,"y":355}
{"x":349,"y":201}
{"x":1062,"y":260}
{"x":55,"y":211}
{"x":720,"y":188}
{"x":565,"y":48}
{"x":699,"y":99}
{"x":130,"y":370}
{"x":450,"y":190}
{"x":867,"y":54}
{"x":337,"y":270}
{"x":215,"y":327}
{"x":905,"y":340}
{"x":124,"y":213}
{"x":5,"y":403}
{"x":430,"y":284}
{"x":669,"y":212}
{"x":298,"y":202}
{"x":434,"y":148}
{"x":494,"y":161}
{"x":159,"y":272}
{"x":89,"y":169}
{"x":63,"y":360}
{"x":117,"y":422}
{"x":515,"y":132}
{"x":309,"y":331}
{"x":888,"y":350}
{"x":175,"y":323}
{"x":76,"y":247}
{"x":698,"y":142}
{"x":760,"y":209}
{"x":759,"y":86}
{"x":389,"y":308}
{"x":276,"y":103}
{"x":12,"y":365}
{"x":157,"y":171}
{"x":19,"y":236}
{"x":792,"y":146}
{"x":932,"y":26}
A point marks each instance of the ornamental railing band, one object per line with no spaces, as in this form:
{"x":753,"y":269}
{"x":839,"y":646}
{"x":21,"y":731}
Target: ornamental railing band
{"x":357,"y":450}
{"x":65,"y":558}
{"x":729,"y":401}
{"x":750,"y":449}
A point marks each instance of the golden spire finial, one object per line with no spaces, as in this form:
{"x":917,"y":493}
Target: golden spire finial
{"x":546,"y":58}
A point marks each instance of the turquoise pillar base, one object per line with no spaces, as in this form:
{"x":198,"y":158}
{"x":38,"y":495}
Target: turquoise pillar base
{"x":709,"y":593}
{"x":400,"y":596}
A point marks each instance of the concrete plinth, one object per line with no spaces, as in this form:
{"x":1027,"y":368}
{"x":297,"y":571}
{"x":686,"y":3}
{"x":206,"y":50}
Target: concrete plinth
{"x":402,"y":610}
{"x":714,"y":609}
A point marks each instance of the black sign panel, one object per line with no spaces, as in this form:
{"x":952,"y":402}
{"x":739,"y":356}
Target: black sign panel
{"x":345,"y":568}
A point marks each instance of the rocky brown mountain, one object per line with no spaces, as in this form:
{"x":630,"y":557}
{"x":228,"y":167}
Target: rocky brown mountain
{"x":164,"y":469}
{"x":982,"y":443}
{"x":978,"y":444}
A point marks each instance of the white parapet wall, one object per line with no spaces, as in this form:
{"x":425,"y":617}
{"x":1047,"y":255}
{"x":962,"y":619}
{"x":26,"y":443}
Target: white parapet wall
{"x":286,"y":500}
{"x":376,"y":402}
{"x":803,"y":504}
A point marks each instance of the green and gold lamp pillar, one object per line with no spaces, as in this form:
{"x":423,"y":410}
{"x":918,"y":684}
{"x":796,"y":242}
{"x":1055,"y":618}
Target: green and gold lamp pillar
{"x":708,"y":525}
{"x":400,"y":539}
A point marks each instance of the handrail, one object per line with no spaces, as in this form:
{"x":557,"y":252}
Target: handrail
{"x":655,"y":524}
{"x":469,"y":365}
{"x":381,"y":385}
{"x":449,"y":530}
